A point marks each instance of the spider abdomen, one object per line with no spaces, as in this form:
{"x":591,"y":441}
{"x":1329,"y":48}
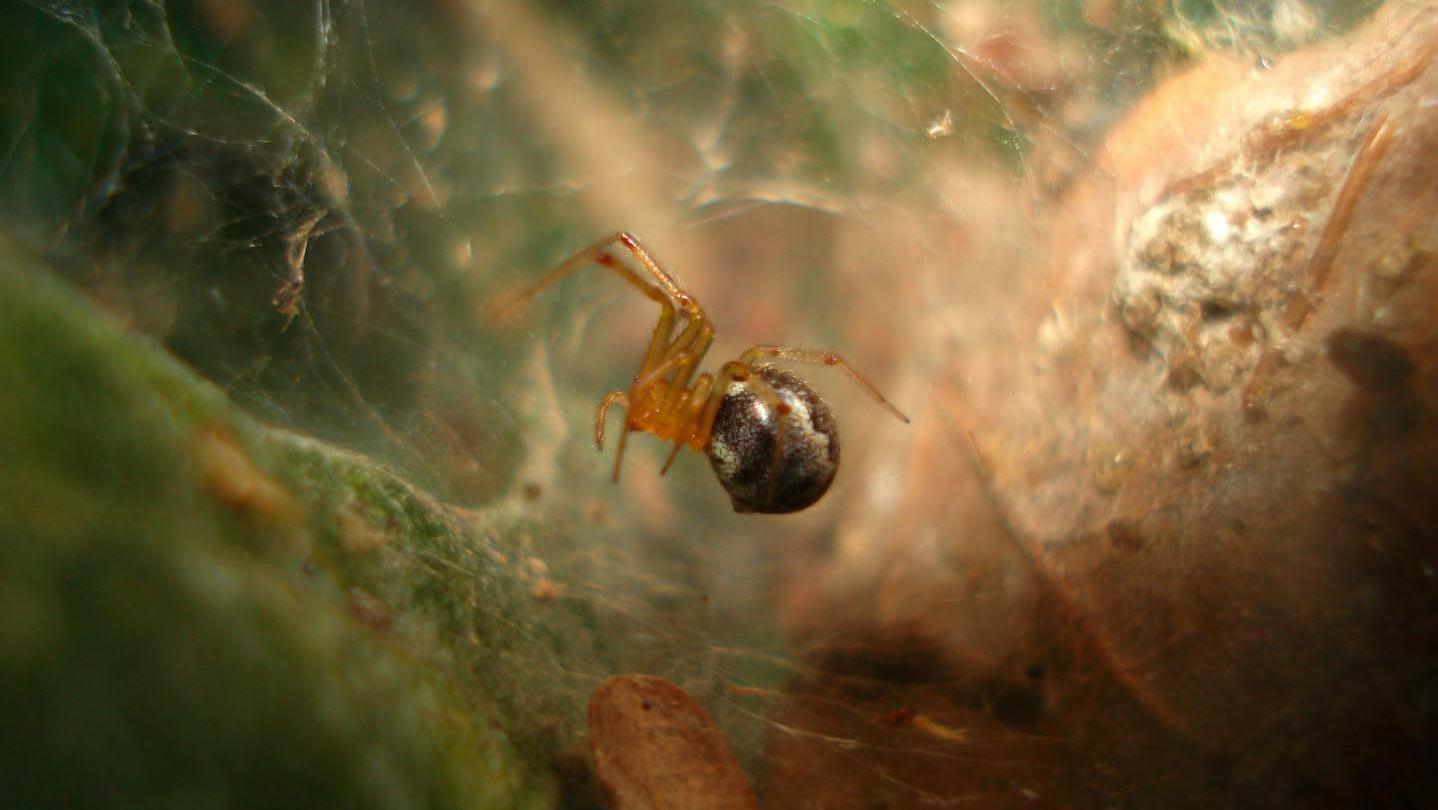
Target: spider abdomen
{"x":760,"y":472}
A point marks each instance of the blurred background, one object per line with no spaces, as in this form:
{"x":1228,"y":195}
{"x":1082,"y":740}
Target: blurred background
{"x":294,"y":512}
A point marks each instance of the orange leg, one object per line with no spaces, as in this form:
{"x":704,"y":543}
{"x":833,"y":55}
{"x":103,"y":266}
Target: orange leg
{"x":656,"y":374}
{"x":602,"y":414}
{"x":599,"y":419}
{"x":823,"y":359}
{"x":685,"y":353}
{"x":659,"y":341}
{"x":673,"y":454}
{"x":660,"y":288}
{"x":669,"y":361}
{"x":697,"y":334}
{"x":619,"y":456}
{"x":691,"y":422}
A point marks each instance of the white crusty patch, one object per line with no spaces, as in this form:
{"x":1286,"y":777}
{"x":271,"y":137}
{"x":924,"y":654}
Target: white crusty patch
{"x":799,"y":424}
{"x":724,"y":458}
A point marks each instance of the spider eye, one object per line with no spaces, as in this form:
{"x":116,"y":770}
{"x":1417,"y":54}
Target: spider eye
{"x":761,"y":473}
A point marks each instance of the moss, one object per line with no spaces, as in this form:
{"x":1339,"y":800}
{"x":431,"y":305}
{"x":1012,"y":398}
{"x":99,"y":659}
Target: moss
{"x":198,"y":610}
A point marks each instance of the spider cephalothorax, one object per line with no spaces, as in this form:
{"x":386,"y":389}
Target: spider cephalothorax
{"x":771,"y":439}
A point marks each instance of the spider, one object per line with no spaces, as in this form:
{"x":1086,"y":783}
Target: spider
{"x":772,"y":441}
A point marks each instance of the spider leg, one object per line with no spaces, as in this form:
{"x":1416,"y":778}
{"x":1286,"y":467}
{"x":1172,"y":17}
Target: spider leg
{"x":619,"y":456}
{"x":659,"y":340}
{"x":663,"y":279}
{"x":673,"y":454}
{"x":695,"y":402}
{"x":589,"y":255}
{"x":660,"y":287}
{"x":680,"y":358}
{"x":610,"y":398}
{"x":656,"y":374}
{"x":684,"y":354}
{"x":697,"y":334}
{"x":605,"y":404}
{"x":688,"y":404}
{"x":823,"y":359}
{"x":669,"y":361}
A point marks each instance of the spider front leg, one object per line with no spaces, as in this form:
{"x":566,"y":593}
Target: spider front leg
{"x":660,"y":288}
{"x":697,"y":334}
{"x":683,"y":356}
{"x":660,"y":383}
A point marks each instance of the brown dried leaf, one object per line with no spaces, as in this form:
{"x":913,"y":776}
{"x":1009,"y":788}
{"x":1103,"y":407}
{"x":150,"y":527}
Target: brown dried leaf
{"x":655,"y":748}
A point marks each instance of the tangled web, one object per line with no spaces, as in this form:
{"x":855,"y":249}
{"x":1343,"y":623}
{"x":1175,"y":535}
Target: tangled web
{"x":317,"y":205}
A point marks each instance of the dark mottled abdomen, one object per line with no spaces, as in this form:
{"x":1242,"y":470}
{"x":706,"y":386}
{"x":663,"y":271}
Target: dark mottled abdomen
{"x":761,"y":473}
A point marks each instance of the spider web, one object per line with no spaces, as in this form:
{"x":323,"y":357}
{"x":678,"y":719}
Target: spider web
{"x":317,"y":206}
